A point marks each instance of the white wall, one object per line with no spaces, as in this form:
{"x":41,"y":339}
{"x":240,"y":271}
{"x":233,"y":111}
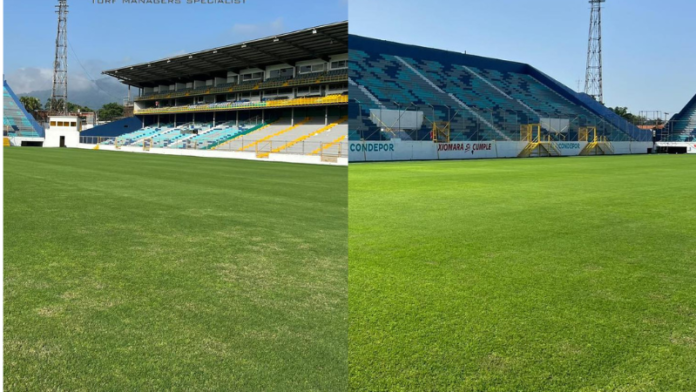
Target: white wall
{"x":17,"y":140}
{"x":55,"y":132}
{"x":290,"y":158}
{"x":690,"y":147}
{"x":397,"y":150}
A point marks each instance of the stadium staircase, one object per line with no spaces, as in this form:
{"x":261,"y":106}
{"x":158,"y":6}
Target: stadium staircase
{"x":182,"y":142}
{"x":461,"y":104}
{"x":538,"y":144}
{"x":181,"y":134}
{"x":332,"y":148}
{"x":256,"y":143}
{"x":234,"y":133}
{"x":540,"y":149}
{"x":158,"y":138}
{"x":302,"y":138}
{"x":600,"y":147}
{"x":241,"y":134}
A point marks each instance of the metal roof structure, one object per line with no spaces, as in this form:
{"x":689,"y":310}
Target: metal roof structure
{"x":315,"y":42}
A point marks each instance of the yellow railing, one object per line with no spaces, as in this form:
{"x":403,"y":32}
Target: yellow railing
{"x":303,"y":138}
{"x":282,"y":131}
{"x":327,"y":100}
{"x":326,"y":146}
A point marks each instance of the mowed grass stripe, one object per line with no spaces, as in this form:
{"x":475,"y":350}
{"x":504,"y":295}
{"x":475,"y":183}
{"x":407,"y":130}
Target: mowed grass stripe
{"x":144,"y":272}
{"x":533,"y":275}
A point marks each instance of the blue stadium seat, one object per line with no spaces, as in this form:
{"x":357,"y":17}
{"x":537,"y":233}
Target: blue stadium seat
{"x":16,"y":121}
{"x":481,"y":99}
{"x":682,"y":127}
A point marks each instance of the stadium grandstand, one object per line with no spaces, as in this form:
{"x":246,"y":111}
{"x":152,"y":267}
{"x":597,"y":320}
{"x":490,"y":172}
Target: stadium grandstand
{"x":20,"y":128}
{"x":410,"y":102}
{"x":284,"y":94}
{"x":682,"y":126}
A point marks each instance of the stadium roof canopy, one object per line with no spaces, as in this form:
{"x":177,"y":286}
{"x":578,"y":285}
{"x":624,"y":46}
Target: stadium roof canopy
{"x":314,"y":42}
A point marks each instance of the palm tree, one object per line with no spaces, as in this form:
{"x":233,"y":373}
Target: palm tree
{"x":58,"y":104}
{"x":31,"y":104}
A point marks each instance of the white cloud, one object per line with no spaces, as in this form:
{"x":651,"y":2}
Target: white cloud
{"x":26,"y":80}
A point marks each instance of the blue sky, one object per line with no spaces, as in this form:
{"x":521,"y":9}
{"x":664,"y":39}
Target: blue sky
{"x":649,"y":46}
{"x":107,"y":36}
{"x":649,"y":50}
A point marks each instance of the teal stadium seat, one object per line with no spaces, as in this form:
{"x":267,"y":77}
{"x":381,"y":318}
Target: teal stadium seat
{"x":682,"y":127}
{"x":17,"y":122}
{"x":481,"y":98}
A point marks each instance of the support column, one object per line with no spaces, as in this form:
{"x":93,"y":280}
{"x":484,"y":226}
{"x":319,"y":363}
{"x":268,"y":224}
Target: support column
{"x":292,"y":117}
{"x":175,"y":120}
{"x":194,"y":119}
{"x":214,"y":113}
{"x":237,"y":124}
{"x":263,"y":115}
{"x":158,"y":121}
{"x":326,"y":116}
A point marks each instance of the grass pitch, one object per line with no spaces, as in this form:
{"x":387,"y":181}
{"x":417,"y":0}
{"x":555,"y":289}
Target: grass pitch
{"x":128,"y":272}
{"x":569,"y":274}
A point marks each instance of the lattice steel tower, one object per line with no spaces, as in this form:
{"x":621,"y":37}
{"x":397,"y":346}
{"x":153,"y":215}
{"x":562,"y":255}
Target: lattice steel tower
{"x":593,"y":74}
{"x":59,"y":95}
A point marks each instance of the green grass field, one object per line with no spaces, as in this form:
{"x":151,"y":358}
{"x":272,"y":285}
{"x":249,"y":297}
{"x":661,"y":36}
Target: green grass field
{"x":133,"y":272}
{"x":569,"y":274}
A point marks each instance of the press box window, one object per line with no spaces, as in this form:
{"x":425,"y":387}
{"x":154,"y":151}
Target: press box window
{"x":311,"y":68}
{"x":339,"y":64}
{"x":284,"y":72}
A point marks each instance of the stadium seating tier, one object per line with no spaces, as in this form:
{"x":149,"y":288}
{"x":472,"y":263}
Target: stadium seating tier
{"x":480,"y":98}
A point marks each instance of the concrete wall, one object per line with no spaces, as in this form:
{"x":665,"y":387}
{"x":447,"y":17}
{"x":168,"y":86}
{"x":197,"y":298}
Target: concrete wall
{"x":290,"y":158}
{"x":70,"y":133}
{"x":690,"y":146}
{"x":397,"y":150}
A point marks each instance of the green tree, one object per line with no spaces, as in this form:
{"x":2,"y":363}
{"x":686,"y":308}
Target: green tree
{"x":623,"y":112}
{"x":58,"y":104}
{"x":110,"y":111}
{"x":31,"y":104}
{"x":74,"y":108}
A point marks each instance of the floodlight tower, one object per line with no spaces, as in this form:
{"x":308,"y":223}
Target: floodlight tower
{"x":59,"y":94}
{"x":593,"y":74}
